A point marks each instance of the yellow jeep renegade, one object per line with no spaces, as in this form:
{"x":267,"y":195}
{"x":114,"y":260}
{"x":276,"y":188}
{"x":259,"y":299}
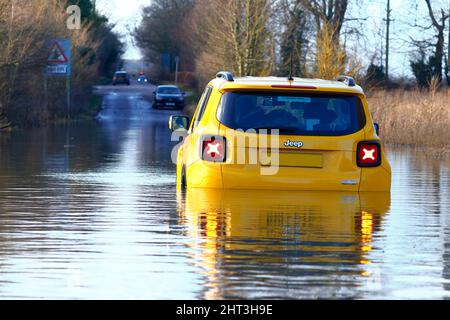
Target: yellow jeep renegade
{"x":280,"y":133}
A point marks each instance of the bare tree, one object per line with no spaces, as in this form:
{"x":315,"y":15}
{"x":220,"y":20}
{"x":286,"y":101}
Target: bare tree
{"x":162,"y":31}
{"x":232,"y":35}
{"x":439,"y":26}
{"x":329,"y":17}
{"x":428,"y":54}
{"x":293,"y":22}
{"x":25,"y":30}
{"x":330,"y":57}
{"x":328,"y":14}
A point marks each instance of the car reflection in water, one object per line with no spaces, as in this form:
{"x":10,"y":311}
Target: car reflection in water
{"x":277,"y":244}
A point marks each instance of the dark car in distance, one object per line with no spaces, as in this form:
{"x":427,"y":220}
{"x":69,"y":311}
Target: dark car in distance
{"x":168,"y":96}
{"x":121,"y":77}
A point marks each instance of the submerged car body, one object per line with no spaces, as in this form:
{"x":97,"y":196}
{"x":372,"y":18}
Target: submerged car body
{"x":324,"y":137}
{"x":269,"y":227}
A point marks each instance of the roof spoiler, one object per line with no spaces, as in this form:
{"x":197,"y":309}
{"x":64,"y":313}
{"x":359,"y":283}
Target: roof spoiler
{"x":226,"y":75}
{"x":349,"y":81}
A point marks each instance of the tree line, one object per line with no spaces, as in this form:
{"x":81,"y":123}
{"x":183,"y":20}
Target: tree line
{"x":25,"y":30}
{"x":275,"y":37}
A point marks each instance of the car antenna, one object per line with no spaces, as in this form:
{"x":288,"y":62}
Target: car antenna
{"x":291,"y":78}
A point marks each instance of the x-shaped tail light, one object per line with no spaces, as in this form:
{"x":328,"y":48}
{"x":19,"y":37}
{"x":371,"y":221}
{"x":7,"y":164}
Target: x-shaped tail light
{"x":213,"y":149}
{"x":369,"y":154}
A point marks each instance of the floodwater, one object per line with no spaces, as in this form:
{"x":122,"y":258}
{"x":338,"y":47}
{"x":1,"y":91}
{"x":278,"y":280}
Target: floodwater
{"x":92,"y":213}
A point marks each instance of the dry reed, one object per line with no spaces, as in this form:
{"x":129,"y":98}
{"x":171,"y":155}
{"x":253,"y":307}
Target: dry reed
{"x":418,"y":118}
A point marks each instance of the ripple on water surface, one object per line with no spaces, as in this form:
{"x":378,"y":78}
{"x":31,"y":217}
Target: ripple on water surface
{"x":102,"y":219}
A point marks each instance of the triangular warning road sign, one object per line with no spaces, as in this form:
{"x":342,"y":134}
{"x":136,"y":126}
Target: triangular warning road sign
{"x":57,"y":54}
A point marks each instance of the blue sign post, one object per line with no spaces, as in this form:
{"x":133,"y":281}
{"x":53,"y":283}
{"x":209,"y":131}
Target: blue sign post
{"x":59,"y":64}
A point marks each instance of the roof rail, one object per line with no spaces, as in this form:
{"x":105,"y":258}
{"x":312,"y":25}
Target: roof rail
{"x":228,"y":76}
{"x":349,"y":81}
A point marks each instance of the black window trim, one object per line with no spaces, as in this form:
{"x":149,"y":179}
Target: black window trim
{"x":202,"y":108}
{"x":361,"y":116}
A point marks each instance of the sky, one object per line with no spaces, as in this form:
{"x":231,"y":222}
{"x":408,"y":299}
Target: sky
{"x":404,"y":13}
{"x":127,"y":15}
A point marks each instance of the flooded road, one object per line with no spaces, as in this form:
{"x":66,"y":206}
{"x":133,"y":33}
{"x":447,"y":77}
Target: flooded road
{"x":92,"y":213}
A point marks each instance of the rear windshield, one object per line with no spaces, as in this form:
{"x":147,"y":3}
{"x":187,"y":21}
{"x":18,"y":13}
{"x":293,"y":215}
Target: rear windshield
{"x":168,"y":90}
{"x":121,"y":74}
{"x":292,"y":114}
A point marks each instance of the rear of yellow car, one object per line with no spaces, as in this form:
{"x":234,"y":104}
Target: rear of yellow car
{"x":285,"y":138}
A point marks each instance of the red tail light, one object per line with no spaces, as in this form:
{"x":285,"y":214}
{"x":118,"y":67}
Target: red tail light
{"x":369,"y":154}
{"x":213,"y":149}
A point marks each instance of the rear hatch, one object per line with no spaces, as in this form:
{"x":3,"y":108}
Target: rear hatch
{"x":283,"y":140}
{"x":121,"y":76}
